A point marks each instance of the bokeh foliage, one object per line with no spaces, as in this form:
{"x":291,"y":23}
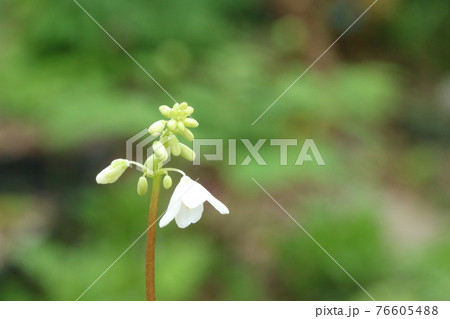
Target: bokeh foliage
{"x":376,"y":105}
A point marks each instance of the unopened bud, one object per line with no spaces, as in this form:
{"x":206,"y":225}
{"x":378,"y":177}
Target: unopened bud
{"x":190,"y":122}
{"x":112,"y":173}
{"x":165,"y":110}
{"x":160,"y":151}
{"x":187,"y":134}
{"x":157,"y":127}
{"x":149,"y":163}
{"x":180,"y":125}
{"x":174,"y":144}
{"x":172,"y":125}
{"x":189,"y":110}
{"x":142,"y":186}
{"x":167,"y":182}
{"x":186,"y":152}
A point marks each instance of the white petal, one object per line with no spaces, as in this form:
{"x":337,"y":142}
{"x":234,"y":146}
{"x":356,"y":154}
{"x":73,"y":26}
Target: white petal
{"x":171,"y":213}
{"x":196,"y":213}
{"x":197,"y":195}
{"x":175,"y":201}
{"x":188,"y":216}
{"x":218,"y":205}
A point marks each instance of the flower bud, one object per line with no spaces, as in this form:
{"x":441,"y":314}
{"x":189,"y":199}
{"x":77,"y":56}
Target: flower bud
{"x":174,"y":145}
{"x":157,"y":127}
{"x":190,"y":122}
{"x":112,"y":173}
{"x":167,"y":182}
{"x":189,"y":110}
{"x":172,"y":125}
{"x":183,"y":105}
{"x":160,"y":151}
{"x":142,"y":186}
{"x":186,"y":152}
{"x":166,"y":111}
{"x":187,"y":134}
{"x":150,"y":163}
{"x":180,"y":125}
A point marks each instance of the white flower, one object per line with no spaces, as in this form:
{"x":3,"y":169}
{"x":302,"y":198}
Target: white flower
{"x":112,"y":172}
{"x":186,"y":203}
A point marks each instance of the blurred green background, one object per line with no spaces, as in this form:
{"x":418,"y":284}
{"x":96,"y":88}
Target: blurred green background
{"x":377,"y":106}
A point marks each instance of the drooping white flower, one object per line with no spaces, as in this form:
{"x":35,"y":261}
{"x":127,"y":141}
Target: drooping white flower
{"x":186,"y":203}
{"x":112,"y":173}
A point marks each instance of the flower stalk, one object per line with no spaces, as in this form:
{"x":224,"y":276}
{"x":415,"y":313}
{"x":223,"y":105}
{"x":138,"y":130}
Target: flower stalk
{"x":151,"y":236}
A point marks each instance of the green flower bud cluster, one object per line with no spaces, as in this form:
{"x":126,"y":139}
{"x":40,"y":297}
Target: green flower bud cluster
{"x":178,"y":122}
